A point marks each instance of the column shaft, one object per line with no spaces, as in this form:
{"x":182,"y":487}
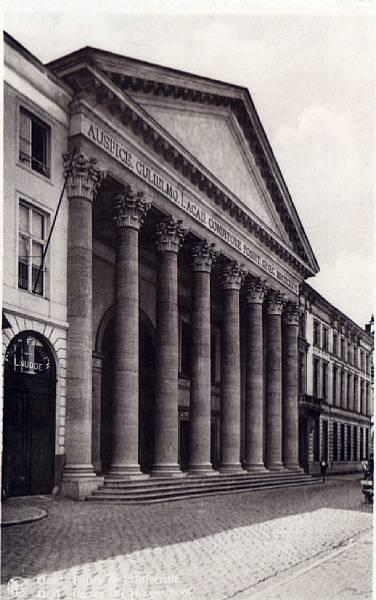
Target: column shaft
{"x":200,"y":396}
{"x":125,"y":402}
{"x":83,"y":178}
{"x":170,"y":235}
{"x":129,"y":211}
{"x":230,"y":370}
{"x":290,"y":391}
{"x":254,"y":402}
{"x":274,"y":385}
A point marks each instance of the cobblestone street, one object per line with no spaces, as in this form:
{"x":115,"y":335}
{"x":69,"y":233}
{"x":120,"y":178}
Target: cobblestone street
{"x":211,"y":548}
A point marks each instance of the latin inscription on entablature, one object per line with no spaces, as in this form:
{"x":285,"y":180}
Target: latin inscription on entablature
{"x":182,"y":199}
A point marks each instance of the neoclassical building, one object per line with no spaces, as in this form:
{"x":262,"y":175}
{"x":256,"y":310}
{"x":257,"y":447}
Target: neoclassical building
{"x":335,"y":386}
{"x":151,"y":306}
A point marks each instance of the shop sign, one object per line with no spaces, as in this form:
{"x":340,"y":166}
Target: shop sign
{"x":27,"y":355}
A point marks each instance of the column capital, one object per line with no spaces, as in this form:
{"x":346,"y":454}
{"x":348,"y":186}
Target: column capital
{"x":291,"y":313}
{"x":233,"y":275}
{"x":130,"y":208}
{"x":204,"y":256}
{"x":84,"y":176}
{"x":256,"y":290}
{"x":275,"y":302}
{"x":170,"y":235}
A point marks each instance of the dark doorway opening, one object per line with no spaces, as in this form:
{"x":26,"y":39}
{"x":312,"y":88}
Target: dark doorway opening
{"x":29,"y":416}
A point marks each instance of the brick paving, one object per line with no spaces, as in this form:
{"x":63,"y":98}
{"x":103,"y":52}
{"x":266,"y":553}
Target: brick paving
{"x":210,"y":548}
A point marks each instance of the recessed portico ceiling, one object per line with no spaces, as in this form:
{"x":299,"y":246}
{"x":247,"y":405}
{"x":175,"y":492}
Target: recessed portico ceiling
{"x":185,"y":106}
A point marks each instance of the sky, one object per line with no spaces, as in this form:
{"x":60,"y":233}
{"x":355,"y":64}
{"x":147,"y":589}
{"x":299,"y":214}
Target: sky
{"x":312,"y":75}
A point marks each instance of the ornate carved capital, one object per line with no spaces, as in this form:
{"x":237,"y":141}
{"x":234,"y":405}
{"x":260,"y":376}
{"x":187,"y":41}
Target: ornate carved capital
{"x":256,"y":290}
{"x":84,"y":176}
{"x":233,"y":276}
{"x":275,"y":302}
{"x":292,"y":313}
{"x":203,"y":257}
{"x":170,"y":235}
{"x":130,"y":208}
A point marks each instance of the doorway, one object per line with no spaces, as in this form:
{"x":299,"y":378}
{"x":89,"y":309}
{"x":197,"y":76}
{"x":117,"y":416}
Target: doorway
{"x":29,"y":416}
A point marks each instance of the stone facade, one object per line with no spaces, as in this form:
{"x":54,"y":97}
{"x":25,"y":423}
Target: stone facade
{"x":170,"y":301}
{"x":335,"y":386}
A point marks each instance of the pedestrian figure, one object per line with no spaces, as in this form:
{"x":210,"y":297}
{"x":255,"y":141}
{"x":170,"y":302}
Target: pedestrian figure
{"x":323,"y":466}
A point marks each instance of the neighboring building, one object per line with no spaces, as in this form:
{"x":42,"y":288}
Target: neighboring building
{"x":162,"y":333}
{"x":36,"y":126}
{"x":335,"y":387}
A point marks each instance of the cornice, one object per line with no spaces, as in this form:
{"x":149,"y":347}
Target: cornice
{"x":112,"y":92}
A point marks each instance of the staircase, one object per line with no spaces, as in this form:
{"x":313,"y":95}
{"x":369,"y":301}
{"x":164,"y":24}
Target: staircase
{"x":167,"y":489}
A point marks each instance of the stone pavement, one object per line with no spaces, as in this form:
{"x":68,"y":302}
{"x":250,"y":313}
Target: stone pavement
{"x":343,"y":574}
{"x":210,"y":548}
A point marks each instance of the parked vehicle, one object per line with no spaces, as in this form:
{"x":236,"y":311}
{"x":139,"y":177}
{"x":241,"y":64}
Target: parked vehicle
{"x":367,"y":481}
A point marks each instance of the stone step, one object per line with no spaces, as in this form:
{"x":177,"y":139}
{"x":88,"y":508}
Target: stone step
{"x":193,"y":479}
{"x":156,"y":496}
{"x":191,"y":483}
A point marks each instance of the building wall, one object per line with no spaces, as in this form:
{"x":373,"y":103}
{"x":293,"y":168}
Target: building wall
{"x":28,"y":85}
{"x":341,"y":407}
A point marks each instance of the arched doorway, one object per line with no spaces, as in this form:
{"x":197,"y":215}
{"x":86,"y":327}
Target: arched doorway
{"x":146,"y":395}
{"x":29,"y":416}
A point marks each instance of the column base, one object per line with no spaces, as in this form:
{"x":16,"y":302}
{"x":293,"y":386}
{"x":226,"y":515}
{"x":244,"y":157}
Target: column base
{"x":79,"y":481}
{"x":293,"y":467}
{"x":255,"y":468}
{"x":167,"y":471}
{"x":205,"y":470}
{"x":126,"y":472}
{"x":234,"y":469}
{"x":276,"y":466}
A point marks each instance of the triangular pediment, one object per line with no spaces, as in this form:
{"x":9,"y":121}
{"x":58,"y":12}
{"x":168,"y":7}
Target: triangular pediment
{"x":213,"y":138}
{"x":210,"y":131}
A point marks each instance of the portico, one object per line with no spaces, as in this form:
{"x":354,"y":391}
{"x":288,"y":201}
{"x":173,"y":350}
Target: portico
{"x":165,"y":259}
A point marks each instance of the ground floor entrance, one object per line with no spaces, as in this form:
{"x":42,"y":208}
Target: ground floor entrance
{"x":29,"y":417}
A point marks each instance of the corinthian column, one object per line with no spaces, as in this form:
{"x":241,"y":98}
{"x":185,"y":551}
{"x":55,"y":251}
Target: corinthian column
{"x":290,"y":445}
{"x":254,"y":400}
{"x":130,"y":209}
{"x":232,"y":278}
{"x":83,"y":180}
{"x":170,"y":235}
{"x":275,"y":302}
{"x":203,"y":256}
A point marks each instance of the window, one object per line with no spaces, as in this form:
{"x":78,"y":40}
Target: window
{"x":343,"y":350}
{"x":316,"y":377}
{"x":355,"y":392}
{"x":335,"y":442}
{"x":325,"y":381}
{"x":316,"y":446}
{"x":334,"y":387}
{"x":361,"y":457}
{"x":367,"y":444}
{"x":368,"y":408}
{"x":335,"y":344}
{"x":302,"y":325}
{"x":355,"y":355}
{"x":355,"y":443}
{"x":349,"y":442}
{"x":325,"y":440}
{"x":348,"y":395}
{"x":367,"y":364}
{"x":342,"y":441}
{"x":316,"y":333}
{"x":362,"y":407}
{"x":34,"y":143}
{"x":342,"y":388}
{"x":349,"y":349}
{"x":31,"y":243}
{"x":325,"y":333}
{"x":362,"y":360}
{"x":302,"y":372}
